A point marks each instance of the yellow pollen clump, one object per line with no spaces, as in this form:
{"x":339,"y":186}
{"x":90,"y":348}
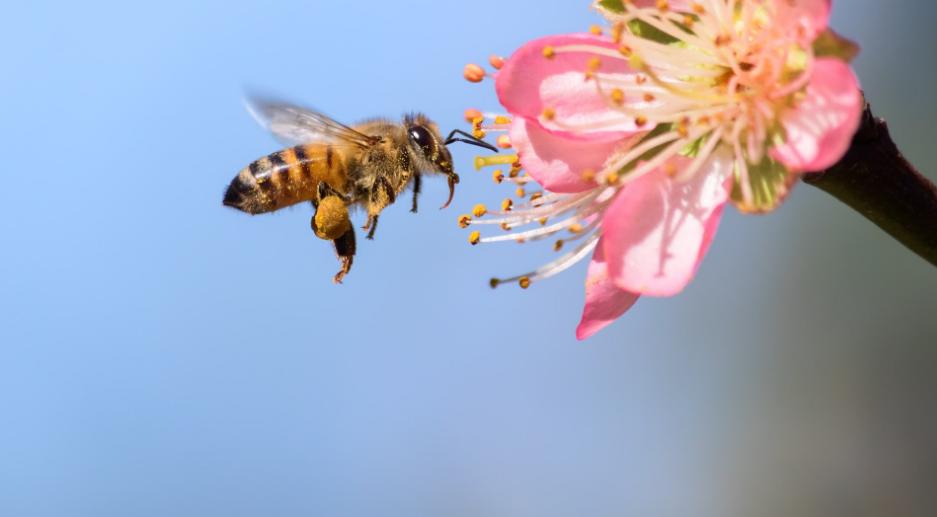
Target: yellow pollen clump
{"x":524,"y":282}
{"x":549,"y":113}
{"x":612,"y":179}
{"x":471,"y":114}
{"x":558,"y":245}
{"x":548,"y":52}
{"x":618,"y":96}
{"x":506,"y":205}
{"x":575,"y":228}
{"x":473,"y":73}
{"x":474,"y":237}
{"x":479,"y":210}
{"x":503,"y":141}
{"x":497,"y":176}
{"x":496,"y":62}
{"x":465,"y":220}
{"x":520,"y":192}
{"x":595,"y":29}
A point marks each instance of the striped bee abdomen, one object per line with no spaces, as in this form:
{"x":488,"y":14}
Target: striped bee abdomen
{"x":286,"y":177}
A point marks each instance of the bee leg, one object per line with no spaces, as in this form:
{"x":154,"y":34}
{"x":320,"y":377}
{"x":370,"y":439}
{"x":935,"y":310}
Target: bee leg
{"x":417,"y":183}
{"x":345,"y":249}
{"x":381,"y":196}
{"x":325,"y":190}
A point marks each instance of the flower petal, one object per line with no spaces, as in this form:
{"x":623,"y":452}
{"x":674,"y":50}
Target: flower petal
{"x":657,"y":229}
{"x":605,"y":302}
{"x":820,"y":129}
{"x":529,"y":83}
{"x":812,"y":15}
{"x":555,"y":162}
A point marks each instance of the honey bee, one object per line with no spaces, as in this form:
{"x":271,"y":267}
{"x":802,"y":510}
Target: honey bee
{"x":334,"y":167}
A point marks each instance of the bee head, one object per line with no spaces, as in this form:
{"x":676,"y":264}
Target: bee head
{"x":426,"y":142}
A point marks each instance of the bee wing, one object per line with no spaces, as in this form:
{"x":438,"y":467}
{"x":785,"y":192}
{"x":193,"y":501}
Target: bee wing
{"x":294,"y":125}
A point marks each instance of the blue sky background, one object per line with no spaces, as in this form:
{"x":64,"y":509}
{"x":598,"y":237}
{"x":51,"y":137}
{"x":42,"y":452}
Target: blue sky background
{"x":164,"y":355}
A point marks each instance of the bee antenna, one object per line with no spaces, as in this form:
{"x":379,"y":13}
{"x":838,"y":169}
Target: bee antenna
{"x":470,"y":140}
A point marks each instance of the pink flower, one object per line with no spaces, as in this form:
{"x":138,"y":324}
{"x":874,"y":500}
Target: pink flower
{"x":640,"y":138}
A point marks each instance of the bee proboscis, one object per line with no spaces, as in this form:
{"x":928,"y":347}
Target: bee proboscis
{"x":334,"y":166}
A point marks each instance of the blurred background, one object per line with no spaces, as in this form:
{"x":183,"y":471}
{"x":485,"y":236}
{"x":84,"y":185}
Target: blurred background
{"x":164,"y":355}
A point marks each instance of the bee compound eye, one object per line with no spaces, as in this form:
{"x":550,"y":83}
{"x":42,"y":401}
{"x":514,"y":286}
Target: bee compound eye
{"x":421,"y":137}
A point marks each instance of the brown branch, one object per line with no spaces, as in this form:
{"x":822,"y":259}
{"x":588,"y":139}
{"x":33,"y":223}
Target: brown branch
{"x":878,"y":182}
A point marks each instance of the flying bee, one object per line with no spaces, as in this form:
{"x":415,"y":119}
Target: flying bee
{"x":334,"y":167}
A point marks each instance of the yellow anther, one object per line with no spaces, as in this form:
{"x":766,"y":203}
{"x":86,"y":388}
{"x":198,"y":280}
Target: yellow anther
{"x":611,"y":179}
{"x":503,"y":141}
{"x":558,"y":245}
{"x":496,"y":62}
{"x":479,"y":134}
{"x":506,"y":227}
{"x":575,"y":228}
{"x":697,"y":8}
{"x":473,"y":73}
{"x":507,"y":204}
{"x":479,"y":210}
{"x":536,"y":195}
{"x":548,"y":52}
{"x":515,"y":169}
{"x":595,"y":29}
{"x":520,"y":192}
{"x":670,"y":169}
{"x":640,"y":121}
{"x":474,"y":237}
{"x":465,"y":220}
{"x":501,"y":119}
{"x":588,"y":175}
{"x":663,"y":5}
{"x":617,"y":31}
{"x":688,"y":20}
{"x":625,"y":50}
{"x":495,"y":159}
{"x":618,"y":96}
{"x":524,"y":282}
{"x":497,"y":176}
{"x":649,"y":97}
{"x":549,"y":113}
{"x":542,"y":221}
{"x":472,"y":114}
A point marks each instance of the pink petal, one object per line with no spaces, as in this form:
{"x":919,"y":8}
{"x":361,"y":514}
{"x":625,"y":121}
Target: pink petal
{"x":555,"y":162}
{"x":812,"y":15}
{"x":605,"y":302}
{"x":657,"y":230}
{"x":820,"y":129}
{"x":529,"y":82}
